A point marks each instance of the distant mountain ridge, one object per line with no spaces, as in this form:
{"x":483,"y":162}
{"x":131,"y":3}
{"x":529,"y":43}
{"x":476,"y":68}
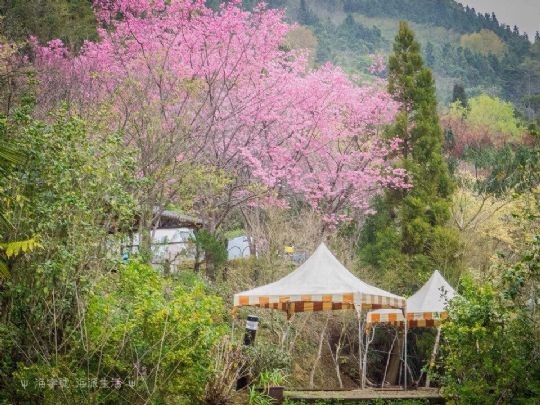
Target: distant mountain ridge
{"x":459,"y":44}
{"x":347,"y":30}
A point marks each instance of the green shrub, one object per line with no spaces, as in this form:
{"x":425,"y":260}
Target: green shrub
{"x":490,"y":354}
{"x":266,"y":358}
{"x":152,"y":336}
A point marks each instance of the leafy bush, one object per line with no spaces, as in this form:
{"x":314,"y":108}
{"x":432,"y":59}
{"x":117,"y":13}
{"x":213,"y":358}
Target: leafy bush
{"x":230,"y":364}
{"x":258,"y":398}
{"x":146,"y":329}
{"x":267,"y":358}
{"x":142,"y":340}
{"x":70,"y":193}
{"x":490,"y":351}
{"x":272,"y":378}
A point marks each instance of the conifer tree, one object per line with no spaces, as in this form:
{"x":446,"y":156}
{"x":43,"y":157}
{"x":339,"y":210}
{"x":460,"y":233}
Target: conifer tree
{"x":409,"y":230}
{"x":305,"y":15}
{"x":458,"y":94}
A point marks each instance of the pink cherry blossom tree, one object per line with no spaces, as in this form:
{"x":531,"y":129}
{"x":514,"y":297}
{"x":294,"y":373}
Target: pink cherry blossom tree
{"x":194,"y":90}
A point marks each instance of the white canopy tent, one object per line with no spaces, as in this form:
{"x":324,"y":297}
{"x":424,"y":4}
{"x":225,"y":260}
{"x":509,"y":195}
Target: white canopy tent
{"x":321,"y":283}
{"x":425,"y":308}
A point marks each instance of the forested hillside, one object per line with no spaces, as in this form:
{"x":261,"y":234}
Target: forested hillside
{"x":459,"y":44}
{"x":165,"y":165}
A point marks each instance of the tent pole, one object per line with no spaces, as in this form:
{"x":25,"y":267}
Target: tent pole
{"x":405,"y":350}
{"x":364,"y":343}
{"x":358,"y":316}
{"x":358,"y":308}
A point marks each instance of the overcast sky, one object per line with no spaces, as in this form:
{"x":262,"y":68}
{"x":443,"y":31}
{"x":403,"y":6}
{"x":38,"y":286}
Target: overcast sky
{"x":523,"y":13}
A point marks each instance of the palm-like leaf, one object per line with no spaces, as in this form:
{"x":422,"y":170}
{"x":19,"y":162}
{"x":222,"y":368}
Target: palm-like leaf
{"x":9,"y":158}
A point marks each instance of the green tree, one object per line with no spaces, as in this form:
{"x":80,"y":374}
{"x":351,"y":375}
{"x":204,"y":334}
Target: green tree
{"x":484,"y":42}
{"x":495,"y":114}
{"x":492,"y":348}
{"x":14,"y":87}
{"x":430,"y":56}
{"x":491,"y":352}
{"x":410,"y":230}
{"x":71,"y":191}
{"x":305,"y":15}
{"x":458,"y":94}
{"x":73,"y":21}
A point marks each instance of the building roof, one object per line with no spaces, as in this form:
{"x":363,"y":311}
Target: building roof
{"x":173,"y":219}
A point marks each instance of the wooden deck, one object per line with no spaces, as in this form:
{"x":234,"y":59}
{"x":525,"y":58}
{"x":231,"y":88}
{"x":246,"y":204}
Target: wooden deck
{"x":431,"y":394}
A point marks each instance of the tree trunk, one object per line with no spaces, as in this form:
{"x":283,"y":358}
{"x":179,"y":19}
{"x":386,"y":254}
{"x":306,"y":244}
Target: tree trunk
{"x":335,"y":357}
{"x":145,"y":235}
{"x":197,"y":263}
{"x":388,"y":358}
{"x":392,"y":377}
{"x":319,"y":354}
{"x":250,"y":233}
{"x":433,"y":355}
{"x":210,"y":265}
{"x":364,"y":366}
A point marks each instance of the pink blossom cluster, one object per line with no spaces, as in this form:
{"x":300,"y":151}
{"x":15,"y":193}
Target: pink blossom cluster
{"x":378,"y":64}
{"x":218,"y":88}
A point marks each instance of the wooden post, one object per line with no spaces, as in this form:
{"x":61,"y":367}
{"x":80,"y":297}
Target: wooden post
{"x":433,"y":354}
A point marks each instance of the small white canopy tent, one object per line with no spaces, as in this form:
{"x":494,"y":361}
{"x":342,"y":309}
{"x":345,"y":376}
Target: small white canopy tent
{"x":425,"y":308}
{"x":321,"y":283}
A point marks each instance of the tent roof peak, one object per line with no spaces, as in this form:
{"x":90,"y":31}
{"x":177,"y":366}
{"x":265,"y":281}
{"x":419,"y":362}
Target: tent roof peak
{"x":322,"y":277}
{"x":426,"y":307}
{"x":432,"y":296}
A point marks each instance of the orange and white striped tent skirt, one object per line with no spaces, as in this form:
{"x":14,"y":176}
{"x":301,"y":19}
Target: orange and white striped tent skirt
{"x":313,"y":303}
{"x":319,"y":302}
{"x":415,"y":319}
{"x":321,"y":283}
